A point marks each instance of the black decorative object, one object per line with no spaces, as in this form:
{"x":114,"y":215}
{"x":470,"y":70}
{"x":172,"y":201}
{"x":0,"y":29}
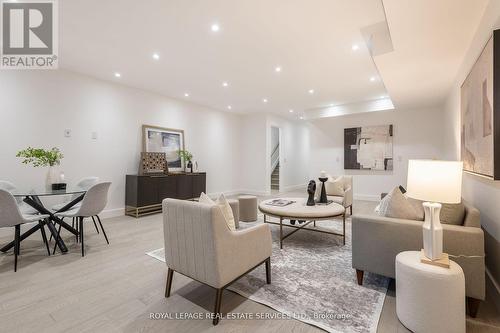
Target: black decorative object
{"x":311,"y":189}
{"x":190,"y":166}
{"x":323,"y":199}
{"x":59,"y":187}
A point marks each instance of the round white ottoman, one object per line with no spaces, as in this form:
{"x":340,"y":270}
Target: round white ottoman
{"x":429,"y":298}
{"x":248,"y":208}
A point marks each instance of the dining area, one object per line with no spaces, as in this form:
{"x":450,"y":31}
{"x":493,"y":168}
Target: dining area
{"x":29,"y":207}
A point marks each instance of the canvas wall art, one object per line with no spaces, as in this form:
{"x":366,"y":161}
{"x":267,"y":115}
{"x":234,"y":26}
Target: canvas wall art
{"x":368,"y":148}
{"x":165,"y":140}
{"x":478,"y":115}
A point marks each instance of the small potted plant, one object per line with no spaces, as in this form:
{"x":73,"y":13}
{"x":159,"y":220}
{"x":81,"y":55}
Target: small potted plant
{"x":39,"y":157}
{"x":187,"y":157}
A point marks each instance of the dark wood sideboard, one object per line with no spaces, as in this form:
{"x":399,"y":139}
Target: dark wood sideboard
{"x":144,"y":194}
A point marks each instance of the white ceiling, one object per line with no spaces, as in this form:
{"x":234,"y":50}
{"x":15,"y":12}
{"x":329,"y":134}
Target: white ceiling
{"x":311,"y":40}
{"x":430,"y":40}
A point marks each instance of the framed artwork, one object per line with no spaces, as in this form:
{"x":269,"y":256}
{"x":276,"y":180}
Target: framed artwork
{"x":164,"y":140}
{"x":480,"y":113}
{"x":368,"y":148}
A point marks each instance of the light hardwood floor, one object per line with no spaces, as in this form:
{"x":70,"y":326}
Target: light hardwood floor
{"x":116,"y":288}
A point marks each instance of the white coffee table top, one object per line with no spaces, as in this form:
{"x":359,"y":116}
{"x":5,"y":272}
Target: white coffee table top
{"x":299,"y":210}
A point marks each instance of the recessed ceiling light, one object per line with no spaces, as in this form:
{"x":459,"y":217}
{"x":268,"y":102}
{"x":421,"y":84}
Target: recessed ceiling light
{"x":186,"y":94}
{"x":332,"y":105}
{"x":311,"y":91}
{"x":383,"y":96}
{"x":291,"y":111}
{"x":372,"y":79}
{"x":301,"y":118}
{"x":118,"y":74}
{"x":156,"y":56}
{"x":355,"y":47}
{"x":277,"y":69}
{"x":215,"y":27}
{"x":229,"y":107}
{"x":264,"y":100}
{"x":225,"y":84}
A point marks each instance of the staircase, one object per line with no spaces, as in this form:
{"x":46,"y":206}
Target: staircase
{"x":275,"y":178}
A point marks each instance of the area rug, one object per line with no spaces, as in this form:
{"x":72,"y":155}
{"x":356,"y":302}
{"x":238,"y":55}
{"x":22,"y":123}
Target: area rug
{"x":313,"y":281}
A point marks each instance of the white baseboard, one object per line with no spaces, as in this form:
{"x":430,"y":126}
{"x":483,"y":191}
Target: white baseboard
{"x":367,"y":197}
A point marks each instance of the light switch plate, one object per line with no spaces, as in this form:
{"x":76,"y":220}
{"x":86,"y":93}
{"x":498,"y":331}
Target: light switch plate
{"x":94,"y":135}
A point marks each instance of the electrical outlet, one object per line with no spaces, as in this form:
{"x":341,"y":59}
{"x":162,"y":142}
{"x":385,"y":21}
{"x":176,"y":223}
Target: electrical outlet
{"x":67,"y":133}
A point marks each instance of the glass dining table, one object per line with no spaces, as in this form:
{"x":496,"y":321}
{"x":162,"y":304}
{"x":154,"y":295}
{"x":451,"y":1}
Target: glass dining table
{"x":31,"y":197}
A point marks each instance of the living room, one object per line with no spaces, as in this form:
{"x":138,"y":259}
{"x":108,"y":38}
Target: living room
{"x":162,"y":115}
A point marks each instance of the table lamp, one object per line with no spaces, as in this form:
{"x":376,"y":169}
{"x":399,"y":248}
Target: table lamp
{"x":435,"y":182}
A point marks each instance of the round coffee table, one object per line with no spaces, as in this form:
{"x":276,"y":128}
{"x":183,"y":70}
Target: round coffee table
{"x":298,"y":210}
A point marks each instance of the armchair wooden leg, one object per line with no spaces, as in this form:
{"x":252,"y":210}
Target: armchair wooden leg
{"x":268,"y":270}
{"x":168,"y":286}
{"x":350,"y":210}
{"x":359,"y":275}
{"x":473,"y":306}
{"x":217,"y":312}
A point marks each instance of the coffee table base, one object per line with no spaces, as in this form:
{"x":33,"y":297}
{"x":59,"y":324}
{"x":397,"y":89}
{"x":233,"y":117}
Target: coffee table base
{"x":297,"y":228}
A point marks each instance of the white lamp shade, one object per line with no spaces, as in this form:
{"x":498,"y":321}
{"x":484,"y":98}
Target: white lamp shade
{"x":435,"y":181}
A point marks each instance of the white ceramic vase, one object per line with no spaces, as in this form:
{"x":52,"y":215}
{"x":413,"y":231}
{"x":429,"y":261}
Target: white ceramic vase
{"x":52,"y":177}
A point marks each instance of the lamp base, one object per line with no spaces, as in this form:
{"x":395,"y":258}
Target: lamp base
{"x":432,"y":231}
{"x":444,"y":261}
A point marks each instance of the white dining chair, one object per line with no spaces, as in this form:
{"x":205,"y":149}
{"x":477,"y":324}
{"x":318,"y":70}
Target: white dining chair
{"x":84,"y":184}
{"x":11,"y":216}
{"x":93,"y":204}
{"x":23,"y":207}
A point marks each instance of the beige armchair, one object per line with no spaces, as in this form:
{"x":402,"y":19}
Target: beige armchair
{"x":199,"y":245}
{"x":347,"y":199}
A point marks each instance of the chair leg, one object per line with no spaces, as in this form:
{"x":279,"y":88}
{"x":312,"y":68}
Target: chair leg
{"x":50,"y":239}
{"x":58,"y":236}
{"x":17,"y":245}
{"x":81,"y":236}
{"x":168,"y":286}
{"x":359,"y":276}
{"x":350,"y":209}
{"x":268,"y":270}
{"x":77,"y":227}
{"x":103,"y":232}
{"x":218,"y":300}
{"x":44,"y":235}
{"x":472,"y":306}
{"x":95,"y":225}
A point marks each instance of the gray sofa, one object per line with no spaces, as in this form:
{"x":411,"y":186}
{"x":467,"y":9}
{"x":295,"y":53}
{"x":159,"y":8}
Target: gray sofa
{"x":376,"y":241}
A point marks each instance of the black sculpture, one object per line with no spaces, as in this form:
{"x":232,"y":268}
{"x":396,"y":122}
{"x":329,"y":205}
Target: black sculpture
{"x":311,"y":190}
{"x":323,"y":198}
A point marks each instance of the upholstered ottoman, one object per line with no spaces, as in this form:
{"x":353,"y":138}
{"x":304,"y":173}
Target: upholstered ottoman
{"x":248,"y":208}
{"x":235,"y":207}
{"x":429,"y":298}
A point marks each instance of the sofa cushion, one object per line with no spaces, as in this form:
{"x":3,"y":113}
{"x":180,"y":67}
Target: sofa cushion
{"x":396,"y":205}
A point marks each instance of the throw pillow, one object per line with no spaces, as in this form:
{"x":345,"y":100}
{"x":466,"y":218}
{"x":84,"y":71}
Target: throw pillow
{"x":335,"y":187}
{"x":452,"y":214}
{"x":396,"y":205}
{"x":223,"y":204}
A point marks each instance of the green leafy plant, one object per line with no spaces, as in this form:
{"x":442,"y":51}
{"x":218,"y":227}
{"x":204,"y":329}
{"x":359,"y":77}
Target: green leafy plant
{"x":185,"y":155}
{"x":40,"y":157}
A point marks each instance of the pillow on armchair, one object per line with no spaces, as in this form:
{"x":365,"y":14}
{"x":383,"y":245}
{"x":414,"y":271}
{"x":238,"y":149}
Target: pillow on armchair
{"x":335,"y":187}
{"x":222,"y":202}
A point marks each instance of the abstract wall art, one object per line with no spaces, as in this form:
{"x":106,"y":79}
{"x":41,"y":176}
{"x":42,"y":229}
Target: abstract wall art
{"x":165,"y":140}
{"x":480,"y":111}
{"x":368,"y":148}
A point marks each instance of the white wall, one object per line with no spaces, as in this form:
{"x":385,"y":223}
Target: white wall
{"x":482,"y":193}
{"x":36,"y":107}
{"x":417,"y":134}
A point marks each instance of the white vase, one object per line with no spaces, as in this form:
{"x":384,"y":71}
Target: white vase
{"x":52,"y":177}
{"x":432,"y":231}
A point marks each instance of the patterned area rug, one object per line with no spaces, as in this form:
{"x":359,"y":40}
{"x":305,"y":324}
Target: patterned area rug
{"x":313,"y":281}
